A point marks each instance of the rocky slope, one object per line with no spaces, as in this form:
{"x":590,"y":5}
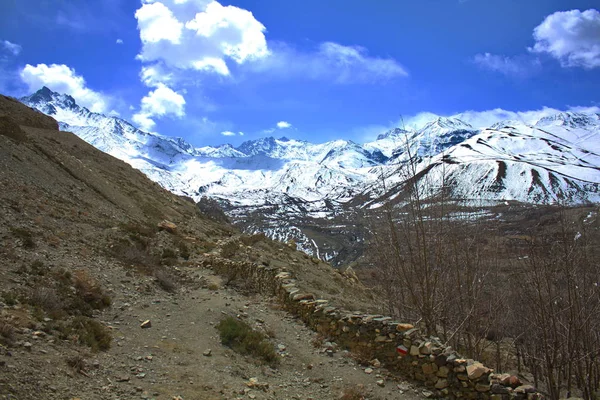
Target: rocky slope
{"x":86,"y":258}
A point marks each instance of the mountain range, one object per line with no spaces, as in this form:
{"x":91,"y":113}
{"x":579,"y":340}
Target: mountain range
{"x":294,"y":189}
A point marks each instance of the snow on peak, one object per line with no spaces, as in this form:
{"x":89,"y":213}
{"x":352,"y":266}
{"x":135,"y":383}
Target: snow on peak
{"x":570,"y":120}
{"x":562,"y":149}
{"x":442,"y":125}
{"x":396,"y":132}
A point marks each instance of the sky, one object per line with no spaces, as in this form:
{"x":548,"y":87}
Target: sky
{"x":228,"y":71}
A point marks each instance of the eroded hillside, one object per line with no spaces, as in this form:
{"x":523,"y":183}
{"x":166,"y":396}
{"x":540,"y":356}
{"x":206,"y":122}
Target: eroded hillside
{"x":87,"y":258}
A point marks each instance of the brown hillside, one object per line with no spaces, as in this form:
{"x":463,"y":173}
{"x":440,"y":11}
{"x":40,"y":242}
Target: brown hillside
{"x":83,"y":262}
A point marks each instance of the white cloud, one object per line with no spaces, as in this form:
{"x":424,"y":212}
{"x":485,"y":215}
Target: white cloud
{"x":511,"y":66}
{"x":572,"y":37}
{"x":228,"y":133}
{"x":284,"y":125}
{"x":63,"y":79}
{"x":161,"y":102}
{"x":12,"y":48}
{"x":119,"y":41}
{"x":154,"y":75}
{"x":191,"y":34}
{"x":241,"y":133}
{"x":202,"y":35}
{"x":157,"y":23}
{"x":330,"y":62}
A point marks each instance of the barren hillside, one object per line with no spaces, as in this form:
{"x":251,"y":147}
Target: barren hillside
{"x":87,"y":257}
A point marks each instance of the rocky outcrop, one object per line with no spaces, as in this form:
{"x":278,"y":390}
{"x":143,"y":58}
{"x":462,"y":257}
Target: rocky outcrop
{"x":400,"y":347}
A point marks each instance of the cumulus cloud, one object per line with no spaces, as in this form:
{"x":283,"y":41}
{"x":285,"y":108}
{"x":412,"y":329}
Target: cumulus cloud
{"x":228,"y":133}
{"x":284,"y":125}
{"x":163,"y":101}
{"x":119,"y":41}
{"x":63,"y":79}
{"x":12,"y":48}
{"x":330,"y":62}
{"x":572,"y":37}
{"x":203,"y":40}
{"x":510,"y":66}
{"x":154,"y":75}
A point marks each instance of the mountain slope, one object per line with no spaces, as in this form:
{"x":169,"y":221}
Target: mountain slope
{"x":550,"y":162}
{"x":84,"y":263}
{"x":291,"y":189}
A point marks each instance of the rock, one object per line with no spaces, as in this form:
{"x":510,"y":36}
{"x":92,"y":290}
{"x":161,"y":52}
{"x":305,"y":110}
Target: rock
{"x":146,"y":324}
{"x":429,"y":368}
{"x":253,"y":383}
{"x":482,"y":387}
{"x":441,"y":384}
{"x":414,"y":351}
{"x":207,"y":353}
{"x":27,"y":346}
{"x":404,"y":327}
{"x":375,"y":363}
{"x":525,"y":389}
{"x":427,"y":394}
{"x":380,"y":382}
{"x":368,"y":371}
{"x":303,"y":296}
{"x":426,"y":348}
{"x":281,"y":347}
{"x":443,"y":372}
{"x":477,"y":370}
{"x":511,"y":380}
{"x":167,"y":226}
{"x":122,"y":378}
{"x":499,"y":389}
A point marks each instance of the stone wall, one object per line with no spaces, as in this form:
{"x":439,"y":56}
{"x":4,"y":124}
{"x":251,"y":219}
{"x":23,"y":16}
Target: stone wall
{"x":400,"y":347}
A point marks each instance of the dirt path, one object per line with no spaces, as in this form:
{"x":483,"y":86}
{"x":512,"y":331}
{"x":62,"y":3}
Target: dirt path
{"x":168,"y":359}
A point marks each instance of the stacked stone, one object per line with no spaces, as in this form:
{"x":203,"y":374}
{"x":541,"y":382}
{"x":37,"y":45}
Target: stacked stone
{"x":400,"y":347}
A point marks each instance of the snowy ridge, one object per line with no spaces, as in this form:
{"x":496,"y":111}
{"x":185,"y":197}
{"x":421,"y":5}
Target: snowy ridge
{"x":555,"y":160}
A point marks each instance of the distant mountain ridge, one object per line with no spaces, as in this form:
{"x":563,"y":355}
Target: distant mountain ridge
{"x":292,"y":188}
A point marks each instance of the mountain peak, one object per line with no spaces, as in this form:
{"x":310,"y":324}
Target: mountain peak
{"x":392,"y":133}
{"x":41,"y":96}
{"x":570,"y":119}
{"x":448,"y":123}
{"x":45,"y":96}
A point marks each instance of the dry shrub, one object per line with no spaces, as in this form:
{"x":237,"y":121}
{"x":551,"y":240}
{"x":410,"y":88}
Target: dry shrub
{"x":230,"y":249}
{"x":47,"y":299}
{"x":7,"y":332}
{"x":77,"y":362}
{"x":165,"y":280}
{"x":251,"y":240}
{"x":90,"y":332}
{"x":90,"y":291}
{"x":354,"y":393}
{"x":242,"y":338}
{"x":25,"y":236}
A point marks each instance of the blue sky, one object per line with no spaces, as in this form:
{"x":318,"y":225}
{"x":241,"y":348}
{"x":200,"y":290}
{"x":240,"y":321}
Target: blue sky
{"x":315,"y":70}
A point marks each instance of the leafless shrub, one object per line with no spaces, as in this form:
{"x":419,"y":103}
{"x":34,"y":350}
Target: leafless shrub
{"x":165,"y":280}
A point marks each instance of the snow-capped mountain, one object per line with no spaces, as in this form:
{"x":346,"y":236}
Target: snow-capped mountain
{"x":555,"y":160}
{"x":296,"y":189}
{"x":109,"y":134}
